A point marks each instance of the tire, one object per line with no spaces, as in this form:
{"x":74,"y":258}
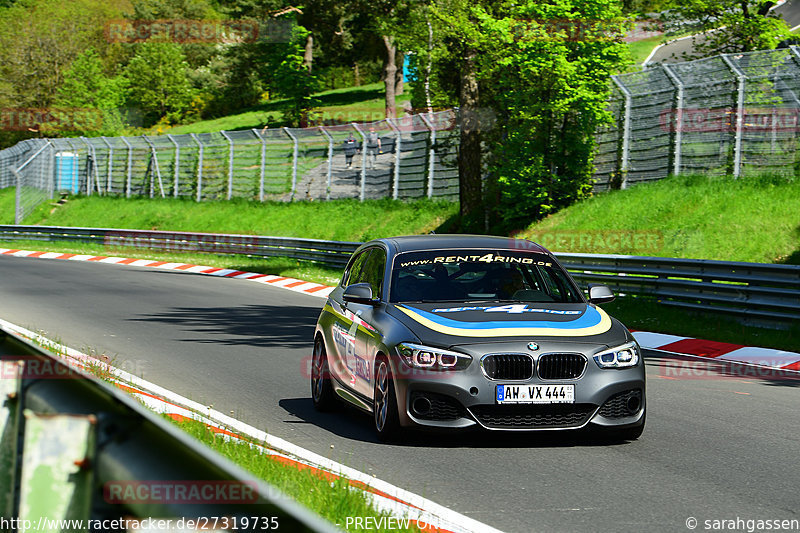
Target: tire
{"x":322,"y":393}
{"x":384,"y":403}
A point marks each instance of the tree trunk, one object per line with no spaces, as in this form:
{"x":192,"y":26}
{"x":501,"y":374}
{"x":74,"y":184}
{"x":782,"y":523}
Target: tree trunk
{"x":469,"y":155}
{"x":389,"y":74}
{"x":356,"y":75}
{"x":398,"y":77}
{"x":308,"y":55}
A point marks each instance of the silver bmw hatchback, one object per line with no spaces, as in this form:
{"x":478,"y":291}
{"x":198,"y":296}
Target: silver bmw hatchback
{"x":451,"y":332}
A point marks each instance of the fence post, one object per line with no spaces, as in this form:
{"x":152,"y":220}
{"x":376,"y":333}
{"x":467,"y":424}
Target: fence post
{"x":199,"y":167}
{"x":17,"y":197}
{"x":263,"y":164}
{"x":110,"y":164}
{"x":294,"y":162}
{"x":154,"y":155}
{"x":431,"y":153}
{"x":396,"y":180}
{"x":130,"y":164}
{"x":177,"y":164}
{"x":673,"y":77}
{"x":363,"y":192}
{"x":626,"y":131}
{"x":737,"y":147}
{"x":329,"y":172}
{"x":230,"y":164}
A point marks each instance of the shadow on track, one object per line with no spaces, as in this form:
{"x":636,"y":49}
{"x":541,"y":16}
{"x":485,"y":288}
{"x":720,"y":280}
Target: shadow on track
{"x":246,"y":325}
{"x":350,"y":423}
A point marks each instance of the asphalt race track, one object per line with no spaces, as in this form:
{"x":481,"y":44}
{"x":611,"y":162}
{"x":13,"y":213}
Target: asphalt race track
{"x":715,"y":447}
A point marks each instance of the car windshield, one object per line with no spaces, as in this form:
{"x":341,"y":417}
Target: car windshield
{"x":480,"y":275}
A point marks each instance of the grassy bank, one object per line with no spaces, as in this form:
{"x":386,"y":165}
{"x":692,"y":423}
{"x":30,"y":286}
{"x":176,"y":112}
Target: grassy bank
{"x":340,"y":220}
{"x":749,"y":219}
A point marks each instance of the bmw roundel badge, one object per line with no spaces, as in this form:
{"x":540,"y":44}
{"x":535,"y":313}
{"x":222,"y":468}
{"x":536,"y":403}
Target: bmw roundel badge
{"x":532,"y":346}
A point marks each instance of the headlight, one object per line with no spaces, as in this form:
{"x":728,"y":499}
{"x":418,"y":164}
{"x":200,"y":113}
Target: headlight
{"x":418,"y":356}
{"x":623,"y":356}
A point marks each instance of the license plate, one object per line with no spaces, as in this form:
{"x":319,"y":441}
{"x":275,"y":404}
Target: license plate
{"x":536,"y":394}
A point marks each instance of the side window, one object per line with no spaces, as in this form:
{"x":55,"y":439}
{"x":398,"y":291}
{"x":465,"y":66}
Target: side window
{"x":372,"y":271}
{"x":352,"y":274}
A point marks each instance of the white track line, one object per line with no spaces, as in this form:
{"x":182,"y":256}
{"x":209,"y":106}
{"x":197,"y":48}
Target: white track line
{"x":428,"y":515}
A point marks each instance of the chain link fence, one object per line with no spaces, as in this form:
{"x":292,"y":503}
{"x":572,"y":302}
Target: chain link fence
{"x":733,"y":114}
{"x":405,"y":158}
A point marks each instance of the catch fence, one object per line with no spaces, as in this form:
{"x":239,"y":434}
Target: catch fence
{"x":731,"y":114}
{"x":406,"y":158}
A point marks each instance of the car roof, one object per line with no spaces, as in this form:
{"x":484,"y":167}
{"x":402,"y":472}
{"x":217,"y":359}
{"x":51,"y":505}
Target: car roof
{"x":412,"y":243}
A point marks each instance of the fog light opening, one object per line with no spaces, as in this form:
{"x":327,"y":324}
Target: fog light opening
{"x":633,"y":404}
{"x":474,"y":391}
{"x":421,"y":405}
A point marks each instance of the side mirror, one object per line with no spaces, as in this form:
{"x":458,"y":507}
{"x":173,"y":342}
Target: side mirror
{"x":359,"y":293}
{"x":600,"y":294}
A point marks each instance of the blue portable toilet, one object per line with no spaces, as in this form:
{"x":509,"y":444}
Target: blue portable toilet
{"x":67,"y":172}
{"x":407,"y":75}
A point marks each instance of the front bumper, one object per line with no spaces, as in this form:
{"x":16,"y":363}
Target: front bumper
{"x":608,"y":398}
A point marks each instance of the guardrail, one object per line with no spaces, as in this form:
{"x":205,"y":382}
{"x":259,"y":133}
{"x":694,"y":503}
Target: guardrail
{"x":331,"y":253}
{"x":746,"y":290}
{"x":72,"y":447}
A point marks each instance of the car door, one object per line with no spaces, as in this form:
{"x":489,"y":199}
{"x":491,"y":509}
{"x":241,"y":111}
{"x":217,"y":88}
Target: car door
{"x":362,"y":329}
{"x":343,"y":327}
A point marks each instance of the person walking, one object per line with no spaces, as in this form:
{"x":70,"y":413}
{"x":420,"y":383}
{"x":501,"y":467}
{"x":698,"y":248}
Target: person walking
{"x":350,"y":148}
{"x":373,"y":147}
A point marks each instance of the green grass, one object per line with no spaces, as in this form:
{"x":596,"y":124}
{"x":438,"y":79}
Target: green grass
{"x":340,"y":220}
{"x":332,"y":500}
{"x":353,"y":104}
{"x":7,"y":205}
{"x":642,"y":48}
{"x":750,"y":219}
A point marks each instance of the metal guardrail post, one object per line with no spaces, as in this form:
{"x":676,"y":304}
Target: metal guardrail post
{"x":363,"y":194}
{"x":154,"y":155}
{"x":262,"y":164}
{"x":9,"y":419}
{"x":230,"y":164}
{"x":294,"y":162}
{"x":110,"y":164}
{"x":626,"y":131}
{"x":396,"y":177}
{"x":199,"y":167}
{"x":431,"y":153}
{"x":329,"y":172}
{"x":673,"y":77}
{"x":58,"y":459}
{"x":176,"y":165}
{"x":130,"y":167}
{"x":737,"y":147}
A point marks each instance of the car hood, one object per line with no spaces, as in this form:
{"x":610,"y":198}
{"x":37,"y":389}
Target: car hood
{"x":451,"y":324}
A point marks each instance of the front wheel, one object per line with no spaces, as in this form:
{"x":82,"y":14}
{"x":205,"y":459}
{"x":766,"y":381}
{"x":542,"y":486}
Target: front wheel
{"x":321,"y":389}
{"x":384,"y":406}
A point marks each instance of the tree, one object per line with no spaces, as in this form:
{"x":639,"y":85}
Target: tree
{"x":727,"y":26}
{"x":291,"y":77}
{"x":39,"y":40}
{"x":91,"y":97}
{"x":158,"y":79}
{"x":541,"y":69}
